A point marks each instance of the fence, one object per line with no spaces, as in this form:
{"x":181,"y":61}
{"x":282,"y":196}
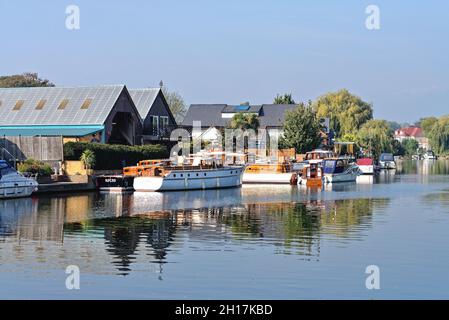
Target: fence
{"x":40,"y":148}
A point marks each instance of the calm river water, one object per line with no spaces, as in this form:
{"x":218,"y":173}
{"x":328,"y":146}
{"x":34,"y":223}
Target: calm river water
{"x":255,"y":242}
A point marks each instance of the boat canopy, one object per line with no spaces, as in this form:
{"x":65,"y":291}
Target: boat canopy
{"x":365,"y":162}
{"x":334,"y":165}
{"x":386,"y":157}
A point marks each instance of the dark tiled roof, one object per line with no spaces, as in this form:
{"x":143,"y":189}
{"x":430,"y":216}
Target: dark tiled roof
{"x":210,"y":115}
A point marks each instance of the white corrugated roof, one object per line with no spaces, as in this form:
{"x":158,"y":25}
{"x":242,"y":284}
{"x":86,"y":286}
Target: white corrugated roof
{"x":103,"y":99}
{"x":144,"y":99}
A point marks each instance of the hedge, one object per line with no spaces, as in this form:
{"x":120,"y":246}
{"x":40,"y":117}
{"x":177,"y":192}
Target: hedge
{"x":110,"y":156}
{"x":35,"y":167}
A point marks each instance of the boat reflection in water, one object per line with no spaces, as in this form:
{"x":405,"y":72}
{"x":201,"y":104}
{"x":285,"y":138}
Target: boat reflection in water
{"x":89,"y":229}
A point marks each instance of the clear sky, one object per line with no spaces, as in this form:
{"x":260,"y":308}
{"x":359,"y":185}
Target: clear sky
{"x":233,"y":51}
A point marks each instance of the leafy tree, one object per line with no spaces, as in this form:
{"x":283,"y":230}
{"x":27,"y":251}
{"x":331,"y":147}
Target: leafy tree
{"x":439,"y":135}
{"x":301,"y":129}
{"x":24,"y":80}
{"x":176,"y":103}
{"x":410,"y":146}
{"x":427,"y":124}
{"x":244,"y":121}
{"x":398,"y":149}
{"x":376,"y":137}
{"x":346,"y":112}
{"x":284,"y":99}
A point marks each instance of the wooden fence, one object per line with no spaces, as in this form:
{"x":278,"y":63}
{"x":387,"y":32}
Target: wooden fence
{"x":38,"y":148}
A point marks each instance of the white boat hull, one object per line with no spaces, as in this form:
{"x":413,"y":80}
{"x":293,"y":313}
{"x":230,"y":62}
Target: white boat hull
{"x":192,"y":180}
{"x":342,"y":177}
{"x":16,"y":189}
{"x":366,"y":169}
{"x":267,"y":178}
{"x":387,"y":164}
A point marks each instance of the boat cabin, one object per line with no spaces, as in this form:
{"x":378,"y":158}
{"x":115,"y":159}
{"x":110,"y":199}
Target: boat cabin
{"x":331,"y":166}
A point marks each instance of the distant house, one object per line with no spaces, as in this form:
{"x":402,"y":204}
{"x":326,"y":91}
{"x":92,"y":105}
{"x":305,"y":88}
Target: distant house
{"x":157,"y":119}
{"x":214,"y":117}
{"x":415,"y":133}
{"x":96,"y":114}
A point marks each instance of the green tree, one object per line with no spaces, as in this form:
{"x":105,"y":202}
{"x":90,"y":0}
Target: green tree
{"x":410,"y":146}
{"x":24,"y":80}
{"x":376,"y":137}
{"x":301,"y":129}
{"x":439,"y":135}
{"x":176,"y":103}
{"x":394,"y":125}
{"x":284,"y":99}
{"x":427,"y":124}
{"x":346,"y":112}
{"x":244,"y":121}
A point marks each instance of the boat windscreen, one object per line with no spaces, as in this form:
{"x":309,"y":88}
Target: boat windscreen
{"x":386,"y":157}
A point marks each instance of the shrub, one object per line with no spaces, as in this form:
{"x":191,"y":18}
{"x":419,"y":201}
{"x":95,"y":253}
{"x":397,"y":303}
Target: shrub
{"x":88,"y":159}
{"x":33,"y":166}
{"x":110,"y":157}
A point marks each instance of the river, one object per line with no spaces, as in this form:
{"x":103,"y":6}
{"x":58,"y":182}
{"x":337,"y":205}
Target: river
{"x":254,"y":242}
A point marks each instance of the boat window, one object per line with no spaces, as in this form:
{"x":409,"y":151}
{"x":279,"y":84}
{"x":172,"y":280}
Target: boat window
{"x":182,"y":175}
{"x":188,"y":174}
{"x":174,"y":175}
{"x":205,"y":174}
{"x":197,"y":175}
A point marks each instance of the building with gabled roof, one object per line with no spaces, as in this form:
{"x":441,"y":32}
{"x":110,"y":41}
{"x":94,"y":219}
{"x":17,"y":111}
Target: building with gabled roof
{"x":157,"y":119}
{"x":100,"y":113}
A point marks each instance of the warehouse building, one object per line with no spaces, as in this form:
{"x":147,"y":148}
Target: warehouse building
{"x":104,"y":114}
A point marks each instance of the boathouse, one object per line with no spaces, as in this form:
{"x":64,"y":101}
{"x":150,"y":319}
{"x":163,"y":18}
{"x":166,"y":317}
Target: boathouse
{"x":104,"y":114}
{"x":156,"y":117}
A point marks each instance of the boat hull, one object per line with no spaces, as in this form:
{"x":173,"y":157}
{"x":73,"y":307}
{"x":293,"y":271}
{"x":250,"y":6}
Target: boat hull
{"x":387,"y":165}
{"x":267,"y":178}
{"x":16,"y":190}
{"x":343,"y":177}
{"x":366,"y":169}
{"x":191,"y":180}
{"x":115,"y":183}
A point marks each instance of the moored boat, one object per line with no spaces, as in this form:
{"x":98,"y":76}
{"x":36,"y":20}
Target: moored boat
{"x":340,"y":170}
{"x":366,"y":165}
{"x":386,"y":161}
{"x":200,"y":173}
{"x":312,"y":175}
{"x":13,"y":184}
{"x":317,"y":156}
{"x":429,"y":155}
{"x":269,"y":173}
{"x":115,"y":183}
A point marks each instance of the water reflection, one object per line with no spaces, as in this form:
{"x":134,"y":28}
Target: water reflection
{"x":128,"y":230}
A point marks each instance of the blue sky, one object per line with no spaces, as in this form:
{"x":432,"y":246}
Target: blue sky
{"x":234,"y":51}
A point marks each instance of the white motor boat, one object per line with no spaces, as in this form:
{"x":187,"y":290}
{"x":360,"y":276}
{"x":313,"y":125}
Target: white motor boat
{"x":13,"y":184}
{"x":386,"y":161}
{"x":340,"y":170}
{"x":366,"y":166}
{"x":429,"y":155}
{"x":202,"y":173}
{"x":315,"y":156}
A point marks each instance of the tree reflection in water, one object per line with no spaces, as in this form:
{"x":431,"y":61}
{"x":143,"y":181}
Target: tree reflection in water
{"x":289,"y":228}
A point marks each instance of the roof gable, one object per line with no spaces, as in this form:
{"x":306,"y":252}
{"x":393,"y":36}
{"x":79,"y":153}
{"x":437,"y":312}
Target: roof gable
{"x":144,"y":99}
{"x":42,"y":105}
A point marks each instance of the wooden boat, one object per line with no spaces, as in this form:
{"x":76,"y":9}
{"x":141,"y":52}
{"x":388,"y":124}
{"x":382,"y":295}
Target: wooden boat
{"x":267,"y":173}
{"x":312,"y":176}
{"x":386,"y":161}
{"x":13,"y":184}
{"x":340,"y":170}
{"x":201,"y":173}
{"x":316,"y":156}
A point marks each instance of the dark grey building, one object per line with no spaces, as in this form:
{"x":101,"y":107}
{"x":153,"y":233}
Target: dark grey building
{"x":156,"y":117}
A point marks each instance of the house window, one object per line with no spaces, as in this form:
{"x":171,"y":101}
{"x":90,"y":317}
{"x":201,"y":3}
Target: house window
{"x":164,"y":122}
{"x":18,"y":105}
{"x":40,"y":105}
{"x":154,"y":125}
